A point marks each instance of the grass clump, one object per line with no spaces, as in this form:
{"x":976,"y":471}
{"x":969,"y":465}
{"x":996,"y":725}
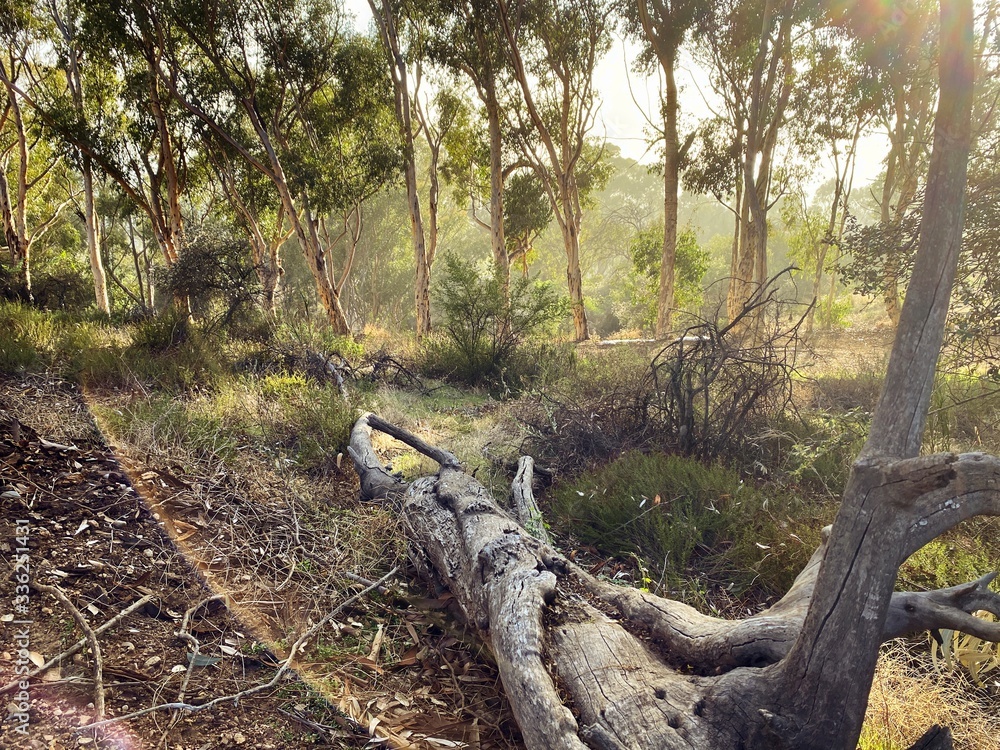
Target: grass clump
{"x":26,"y":335}
{"x":908,"y":696}
{"x":692,"y":525}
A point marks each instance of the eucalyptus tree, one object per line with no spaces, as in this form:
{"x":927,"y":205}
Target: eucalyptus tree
{"x":256,"y":208}
{"x":748,"y":46}
{"x":837,"y":101}
{"x":67,"y":17}
{"x":391,"y":17}
{"x":134,"y":132}
{"x":553,"y":47}
{"x":35,"y":184}
{"x":274,"y":82}
{"x":467,"y":38}
{"x":663,"y":26}
{"x":903,"y":51}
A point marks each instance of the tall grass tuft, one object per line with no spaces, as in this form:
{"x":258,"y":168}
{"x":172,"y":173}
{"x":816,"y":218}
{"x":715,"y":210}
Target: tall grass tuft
{"x":693,"y":525}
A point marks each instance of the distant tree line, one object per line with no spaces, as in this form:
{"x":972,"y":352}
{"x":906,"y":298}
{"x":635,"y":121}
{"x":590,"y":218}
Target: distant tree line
{"x":127,"y":128}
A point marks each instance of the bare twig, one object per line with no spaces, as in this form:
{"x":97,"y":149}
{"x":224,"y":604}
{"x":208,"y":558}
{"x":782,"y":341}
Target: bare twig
{"x":195,"y":644}
{"x":235,"y":698}
{"x":91,"y":637}
{"x":78,"y":645}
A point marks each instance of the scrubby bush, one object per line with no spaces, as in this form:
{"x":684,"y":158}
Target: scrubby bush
{"x":216,"y":276}
{"x":490,"y":338}
{"x":715,"y":392}
{"x":692,"y":524}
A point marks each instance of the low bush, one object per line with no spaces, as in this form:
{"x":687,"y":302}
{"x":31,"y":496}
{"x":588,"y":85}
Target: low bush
{"x":490,"y":337}
{"x":595,"y":412}
{"x":815,"y":449}
{"x":692,"y":525}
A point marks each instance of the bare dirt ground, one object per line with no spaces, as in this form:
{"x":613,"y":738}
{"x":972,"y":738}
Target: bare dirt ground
{"x":220,"y":582}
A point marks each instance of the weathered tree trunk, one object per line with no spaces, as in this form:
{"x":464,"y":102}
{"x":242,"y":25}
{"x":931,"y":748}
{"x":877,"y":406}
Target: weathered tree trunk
{"x":644,"y":672}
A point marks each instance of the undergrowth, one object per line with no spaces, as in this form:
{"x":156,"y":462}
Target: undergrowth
{"x":692,"y":526}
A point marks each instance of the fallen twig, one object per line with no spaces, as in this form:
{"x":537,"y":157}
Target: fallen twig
{"x":195,"y":644}
{"x":91,"y":637}
{"x":235,"y":698}
{"x":78,"y":645}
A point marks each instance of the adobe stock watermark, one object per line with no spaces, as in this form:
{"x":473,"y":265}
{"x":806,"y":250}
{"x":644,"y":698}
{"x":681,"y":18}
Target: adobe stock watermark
{"x":19,"y":709}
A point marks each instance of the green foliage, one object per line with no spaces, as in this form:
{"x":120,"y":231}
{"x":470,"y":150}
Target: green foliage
{"x":217,"y":278}
{"x":637,"y":309}
{"x":692,"y":524}
{"x":951,"y":559}
{"x":489,"y":338}
{"x":820,"y":448}
{"x":526,"y":211}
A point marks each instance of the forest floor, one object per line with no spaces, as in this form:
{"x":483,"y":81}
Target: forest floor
{"x":234,"y":569}
{"x":253,"y":604}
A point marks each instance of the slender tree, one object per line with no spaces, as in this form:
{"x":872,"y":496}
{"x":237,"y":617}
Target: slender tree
{"x":663,"y":26}
{"x":66,"y":17}
{"x":390,"y":17}
{"x":553,"y":48}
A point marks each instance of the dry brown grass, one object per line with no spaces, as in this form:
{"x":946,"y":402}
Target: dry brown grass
{"x":908,"y":696}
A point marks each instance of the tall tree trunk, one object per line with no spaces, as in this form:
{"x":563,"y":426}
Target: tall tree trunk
{"x":74,"y":81}
{"x":171,"y":219}
{"x":14,"y":198}
{"x":498,"y":243}
{"x":92,"y":224}
{"x":574,"y":281}
{"x":763,"y":124}
{"x":386,"y":21}
{"x":671,"y":168}
{"x":315,"y":254}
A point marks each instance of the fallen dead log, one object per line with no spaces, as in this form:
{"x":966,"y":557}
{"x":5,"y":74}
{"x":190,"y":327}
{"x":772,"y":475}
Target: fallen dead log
{"x":638,"y":670}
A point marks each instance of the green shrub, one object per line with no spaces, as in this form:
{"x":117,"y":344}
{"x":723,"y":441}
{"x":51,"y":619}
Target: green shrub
{"x":817,"y":448}
{"x":216,"y":276}
{"x":693,"y":524}
{"x":488,"y":338}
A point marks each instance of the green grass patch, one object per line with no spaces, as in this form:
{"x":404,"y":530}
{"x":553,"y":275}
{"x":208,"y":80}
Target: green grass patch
{"x":693,"y":525}
{"x":959,"y":556}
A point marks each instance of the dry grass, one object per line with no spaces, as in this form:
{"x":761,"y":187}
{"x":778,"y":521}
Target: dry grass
{"x":908,"y":696}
